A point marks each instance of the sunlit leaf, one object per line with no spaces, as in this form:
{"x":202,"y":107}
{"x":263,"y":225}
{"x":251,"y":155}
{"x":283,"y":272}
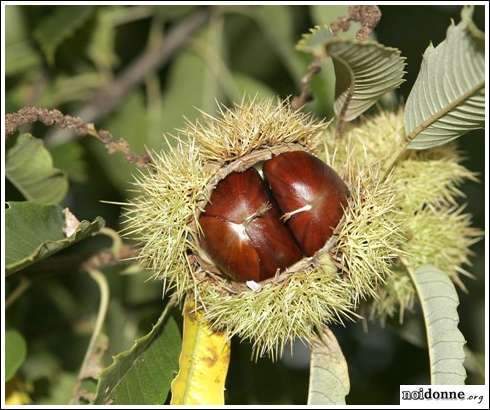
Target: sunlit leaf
{"x":203,"y":362}
{"x":448,"y":97}
{"x":15,"y":352}
{"x":329,"y":375}
{"x":29,"y":167}
{"x":34,"y":232}
{"x":142,"y":374}
{"x":439,"y":302}
{"x":58,"y":26}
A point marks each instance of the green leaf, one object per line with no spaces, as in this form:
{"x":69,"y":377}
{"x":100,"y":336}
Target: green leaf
{"x":439,"y":302}
{"x":142,"y":374}
{"x":276,"y":22}
{"x":69,"y":88}
{"x":252,"y":87}
{"x":69,"y":158}
{"x":29,"y":167}
{"x":129,"y":122}
{"x":19,"y":54}
{"x":102,"y":49}
{"x":15,"y":353}
{"x":365,"y":71}
{"x":329,"y":375}
{"x":323,"y":83}
{"x":448,"y":97}
{"x":58,"y":26}
{"x":34,"y":232}
{"x":201,"y":90}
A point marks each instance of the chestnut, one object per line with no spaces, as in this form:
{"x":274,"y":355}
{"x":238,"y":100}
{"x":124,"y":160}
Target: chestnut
{"x":310,"y":194}
{"x":243,"y":233}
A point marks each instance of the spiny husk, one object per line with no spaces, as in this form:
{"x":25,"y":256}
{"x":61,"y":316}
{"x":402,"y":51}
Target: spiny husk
{"x":426,"y":187}
{"x":373,"y":239}
{"x":292,"y":307}
{"x":440,"y":236}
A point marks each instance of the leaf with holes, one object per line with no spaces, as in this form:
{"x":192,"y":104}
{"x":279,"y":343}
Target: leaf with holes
{"x":142,"y":374}
{"x":439,"y":302}
{"x":448,"y":97}
{"x":364,"y":71}
{"x":329,"y":375}
{"x":29,"y":167}
{"x":34,"y":232}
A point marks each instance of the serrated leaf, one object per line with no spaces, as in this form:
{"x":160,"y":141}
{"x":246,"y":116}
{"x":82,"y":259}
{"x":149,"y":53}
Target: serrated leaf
{"x":448,"y":97}
{"x":203,"y":362}
{"x":323,"y":84}
{"x":142,"y":374}
{"x":15,"y":352}
{"x":34,"y":232}
{"x":329,"y":374}
{"x":439,"y":302}
{"x":60,"y":25}
{"x":314,"y":41}
{"x":365,"y":71}
{"x":29,"y":167}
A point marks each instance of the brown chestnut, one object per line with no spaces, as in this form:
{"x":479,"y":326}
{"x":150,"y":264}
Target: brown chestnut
{"x":310,"y":194}
{"x":243,"y":233}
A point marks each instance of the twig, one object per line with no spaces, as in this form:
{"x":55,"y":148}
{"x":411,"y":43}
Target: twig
{"x":367,"y":16}
{"x":101,"y":281}
{"x":29,"y":115}
{"x":17,"y":292}
{"x":108,"y":97}
{"x":305,"y":95}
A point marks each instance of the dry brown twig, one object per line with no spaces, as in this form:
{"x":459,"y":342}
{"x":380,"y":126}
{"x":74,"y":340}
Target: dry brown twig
{"x":367,"y":16}
{"x":53,"y":117}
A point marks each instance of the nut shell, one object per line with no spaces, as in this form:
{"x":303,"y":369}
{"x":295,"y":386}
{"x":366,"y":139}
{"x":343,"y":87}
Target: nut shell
{"x":243,"y":233}
{"x":310,"y":194}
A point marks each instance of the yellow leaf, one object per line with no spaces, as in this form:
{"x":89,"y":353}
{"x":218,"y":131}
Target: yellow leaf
{"x":203,"y":362}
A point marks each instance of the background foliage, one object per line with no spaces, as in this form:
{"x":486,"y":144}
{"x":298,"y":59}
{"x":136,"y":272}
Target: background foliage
{"x":57,"y":57}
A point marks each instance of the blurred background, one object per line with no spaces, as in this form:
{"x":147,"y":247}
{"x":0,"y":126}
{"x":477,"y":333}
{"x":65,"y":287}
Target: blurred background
{"x":225,"y":53}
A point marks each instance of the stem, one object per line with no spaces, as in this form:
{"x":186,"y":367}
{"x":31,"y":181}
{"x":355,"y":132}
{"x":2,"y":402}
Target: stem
{"x":429,"y":121}
{"x":117,"y":242}
{"x":101,"y":281}
{"x":17,"y":292}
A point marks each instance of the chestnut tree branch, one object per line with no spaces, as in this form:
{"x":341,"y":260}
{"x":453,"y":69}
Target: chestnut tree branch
{"x":108,"y":97}
{"x":29,"y":115}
